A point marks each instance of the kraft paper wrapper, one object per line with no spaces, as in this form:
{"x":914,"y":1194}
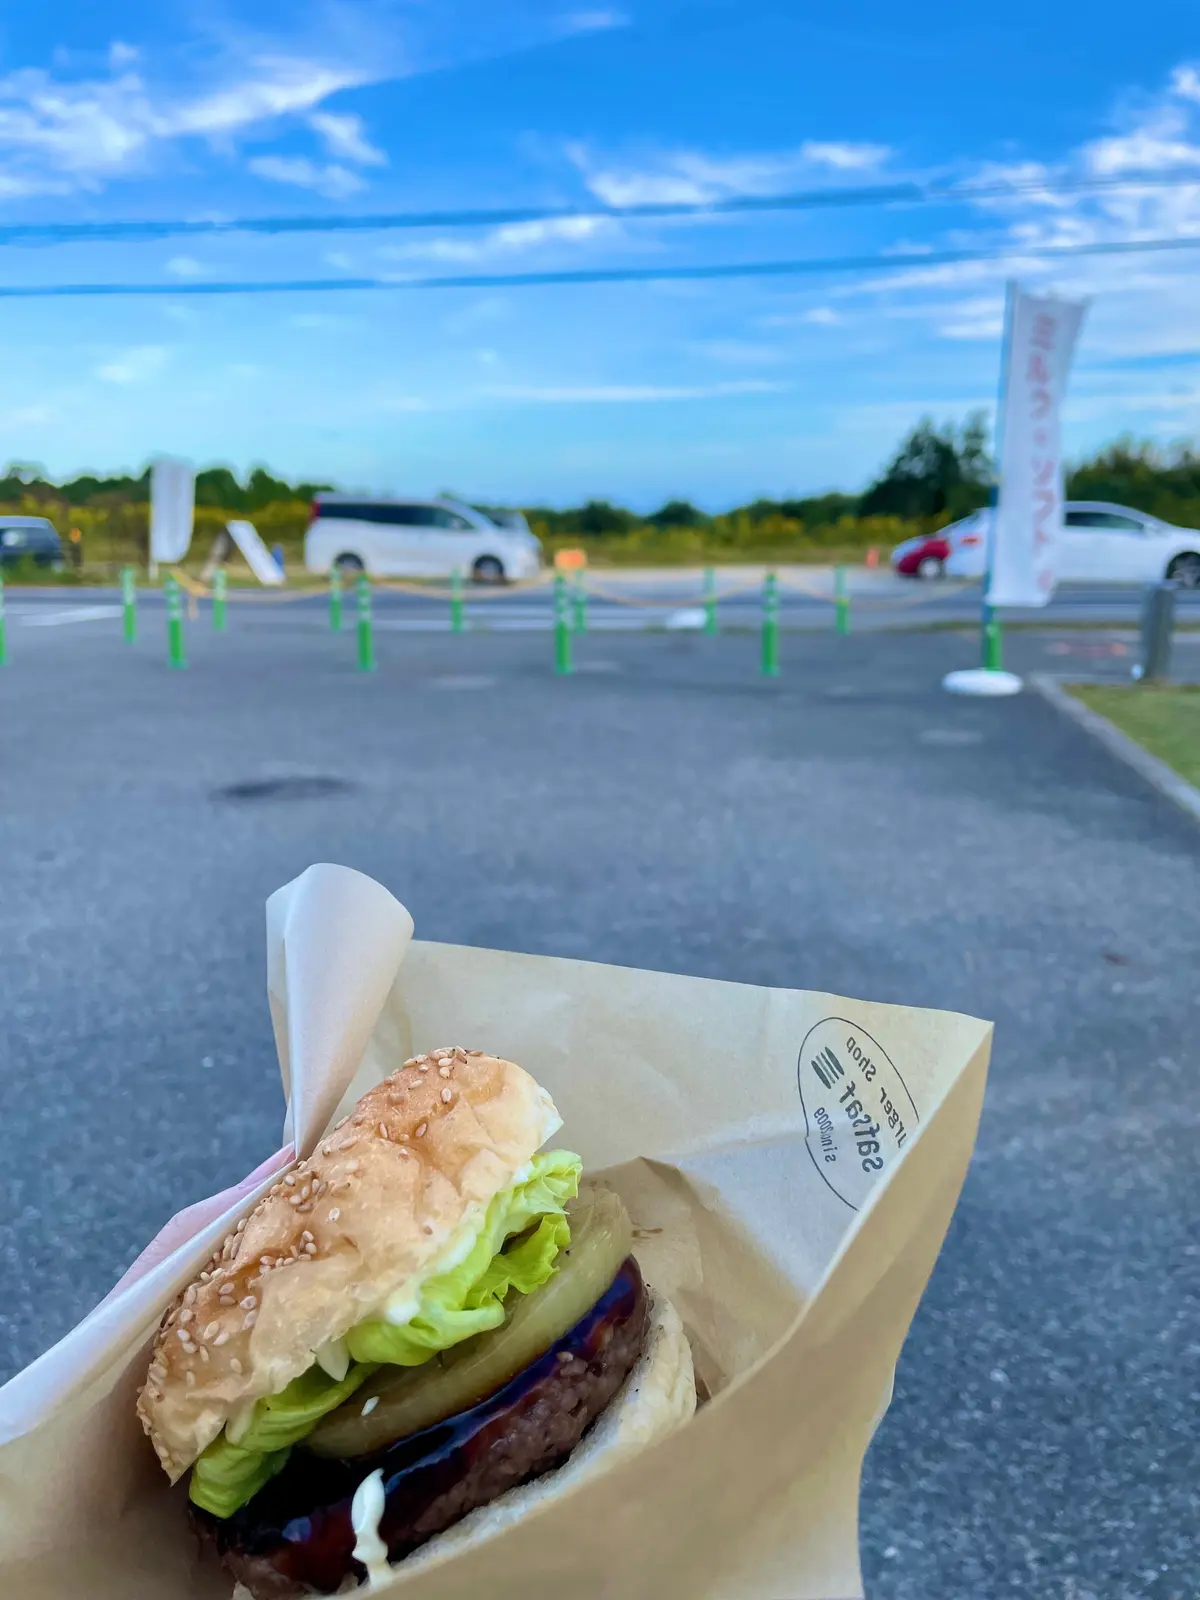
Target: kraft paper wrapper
{"x":724,"y":1116}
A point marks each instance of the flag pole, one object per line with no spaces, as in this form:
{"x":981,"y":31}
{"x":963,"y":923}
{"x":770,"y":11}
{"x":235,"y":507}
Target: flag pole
{"x":989,"y":624}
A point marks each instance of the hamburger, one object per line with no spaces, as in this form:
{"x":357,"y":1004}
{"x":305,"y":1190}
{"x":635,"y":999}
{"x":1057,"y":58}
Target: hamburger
{"x":408,"y":1338}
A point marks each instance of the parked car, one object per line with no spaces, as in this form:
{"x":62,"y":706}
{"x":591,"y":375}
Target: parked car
{"x":29,"y":539}
{"x":1100,"y":543}
{"x":418,"y":539}
{"x":922,"y":557}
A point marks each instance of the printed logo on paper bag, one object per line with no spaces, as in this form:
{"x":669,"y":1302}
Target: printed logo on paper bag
{"x":858,"y":1113}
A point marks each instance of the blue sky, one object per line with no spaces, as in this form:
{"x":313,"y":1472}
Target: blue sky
{"x":713,"y":391}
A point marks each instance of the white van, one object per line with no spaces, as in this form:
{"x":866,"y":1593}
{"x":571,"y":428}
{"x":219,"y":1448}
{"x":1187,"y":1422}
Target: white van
{"x":419,"y":539}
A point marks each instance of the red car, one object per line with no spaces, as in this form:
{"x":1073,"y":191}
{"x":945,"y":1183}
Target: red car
{"x":923,"y":557}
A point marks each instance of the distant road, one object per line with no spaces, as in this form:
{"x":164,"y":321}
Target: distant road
{"x":631,"y":599}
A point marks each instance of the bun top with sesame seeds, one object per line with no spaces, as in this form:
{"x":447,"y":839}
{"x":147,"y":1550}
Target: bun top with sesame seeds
{"x":374,"y":1207}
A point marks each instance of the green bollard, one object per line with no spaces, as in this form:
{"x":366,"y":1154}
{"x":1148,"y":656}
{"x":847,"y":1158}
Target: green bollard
{"x":993,"y":645}
{"x":579,"y":614}
{"x":335,"y":599}
{"x":710,"y":600}
{"x":175,"y":656}
{"x":218,"y":600}
{"x":841,"y":601}
{"x":562,"y":626}
{"x":366,"y":633}
{"x":456,"y":601}
{"x":129,"y":604}
{"x":770,"y":627}
{"x":3,"y":636}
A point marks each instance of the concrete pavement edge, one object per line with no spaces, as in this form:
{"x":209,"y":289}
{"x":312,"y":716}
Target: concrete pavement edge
{"x":1156,"y":773}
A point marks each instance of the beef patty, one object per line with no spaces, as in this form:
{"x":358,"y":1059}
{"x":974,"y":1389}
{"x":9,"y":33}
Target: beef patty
{"x":295,"y":1536}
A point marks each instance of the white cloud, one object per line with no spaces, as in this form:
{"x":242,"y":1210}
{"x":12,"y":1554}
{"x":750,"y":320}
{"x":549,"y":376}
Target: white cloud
{"x":319,"y":321}
{"x":33,"y":416}
{"x":1156,"y":146}
{"x":843,"y":157}
{"x":281,"y":87}
{"x":345,"y":138}
{"x":331,"y":180}
{"x":629,"y":393}
{"x":138,"y":364}
{"x":57,"y":133}
{"x":822,"y":317}
{"x":186,"y":267}
{"x":593,"y":21}
{"x":742,"y":352}
{"x":121,"y":54}
{"x":512,"y":238}
{"x":692,"y":177}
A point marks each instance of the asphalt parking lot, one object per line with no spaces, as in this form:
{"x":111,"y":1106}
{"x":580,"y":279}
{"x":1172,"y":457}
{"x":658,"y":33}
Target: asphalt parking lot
{"x":848,"y":827}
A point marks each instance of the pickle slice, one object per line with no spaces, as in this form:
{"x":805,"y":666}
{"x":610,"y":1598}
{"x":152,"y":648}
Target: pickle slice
{"x":411,"y":1398}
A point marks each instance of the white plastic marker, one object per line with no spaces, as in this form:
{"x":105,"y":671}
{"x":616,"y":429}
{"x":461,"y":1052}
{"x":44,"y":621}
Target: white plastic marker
{"x":365,"y":1512}
{"x":258,"y":558}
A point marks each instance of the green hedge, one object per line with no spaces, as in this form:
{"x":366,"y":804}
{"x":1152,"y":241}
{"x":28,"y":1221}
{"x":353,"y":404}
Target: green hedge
{"x":116,"y":534}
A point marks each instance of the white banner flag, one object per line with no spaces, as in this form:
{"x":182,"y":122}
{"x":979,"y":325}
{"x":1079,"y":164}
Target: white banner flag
{"x":1027,"y":522}
{"x":172,"y":502}
{"x":258,"y":558}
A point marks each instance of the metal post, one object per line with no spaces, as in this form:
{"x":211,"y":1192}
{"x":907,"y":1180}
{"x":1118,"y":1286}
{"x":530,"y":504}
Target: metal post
{"x":770,"y":626}
{"x":3,"y":635}
{"x":562,"y":626}
{"x":366,"y":633}
{"x":218,"y":600}
{"x":175,"y":656}
{"x":841,"y":601}
{"x":456,"y":601}
{"x":710,"y":600}
{"x":129,"y":604}
{"x":1158,"y":622}
{"x":335,"y":599}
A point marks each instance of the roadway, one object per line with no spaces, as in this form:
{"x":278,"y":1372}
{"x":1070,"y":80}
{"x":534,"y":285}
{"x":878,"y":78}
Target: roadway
{"x":630,"y":601}
{"x":846,"y":827}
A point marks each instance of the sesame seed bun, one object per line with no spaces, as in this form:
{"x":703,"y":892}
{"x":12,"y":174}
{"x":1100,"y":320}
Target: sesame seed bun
{"x":417,"y":1161}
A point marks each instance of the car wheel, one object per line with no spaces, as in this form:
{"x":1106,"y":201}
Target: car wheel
{"x":931,"y":567}
{"x":1185,"y":570}
{"x":488,"y":570}
{"x":348,"y":562}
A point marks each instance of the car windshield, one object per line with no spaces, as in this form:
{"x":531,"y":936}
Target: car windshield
{"x":501,"y":517}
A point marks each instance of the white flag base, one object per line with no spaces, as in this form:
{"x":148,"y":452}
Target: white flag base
{"x":979,"y":680}
{"x":687,"y":617}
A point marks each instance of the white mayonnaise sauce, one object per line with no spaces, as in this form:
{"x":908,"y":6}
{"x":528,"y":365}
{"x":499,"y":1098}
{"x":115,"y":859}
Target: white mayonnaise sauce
{"x":365,"y":1512}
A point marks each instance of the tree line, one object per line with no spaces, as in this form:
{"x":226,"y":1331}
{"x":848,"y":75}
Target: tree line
{"x":936,"y":475}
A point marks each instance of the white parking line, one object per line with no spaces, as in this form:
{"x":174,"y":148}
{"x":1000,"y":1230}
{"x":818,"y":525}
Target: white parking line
{"x":61,"y":619}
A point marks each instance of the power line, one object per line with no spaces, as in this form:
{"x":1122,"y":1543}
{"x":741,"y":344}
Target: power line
{"x":810,"y":266}
{"x":51,"y":233}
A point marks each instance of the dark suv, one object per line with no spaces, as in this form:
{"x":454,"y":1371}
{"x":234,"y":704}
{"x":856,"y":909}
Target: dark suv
{"x":29,"y":538}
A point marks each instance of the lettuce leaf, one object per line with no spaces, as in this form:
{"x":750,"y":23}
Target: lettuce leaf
{"x":470,"y":1298}
{"x":227,"y":1475}
{"x":454,"y":1306}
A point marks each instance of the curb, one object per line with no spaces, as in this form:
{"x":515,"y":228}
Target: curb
{"x":1156,"y":773}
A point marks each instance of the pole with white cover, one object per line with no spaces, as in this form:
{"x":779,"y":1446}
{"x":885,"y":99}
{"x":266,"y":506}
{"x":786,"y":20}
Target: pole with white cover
{"x":1025,"y":522}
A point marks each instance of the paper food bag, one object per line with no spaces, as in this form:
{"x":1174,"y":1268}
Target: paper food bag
{"x":790,"y":1160}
